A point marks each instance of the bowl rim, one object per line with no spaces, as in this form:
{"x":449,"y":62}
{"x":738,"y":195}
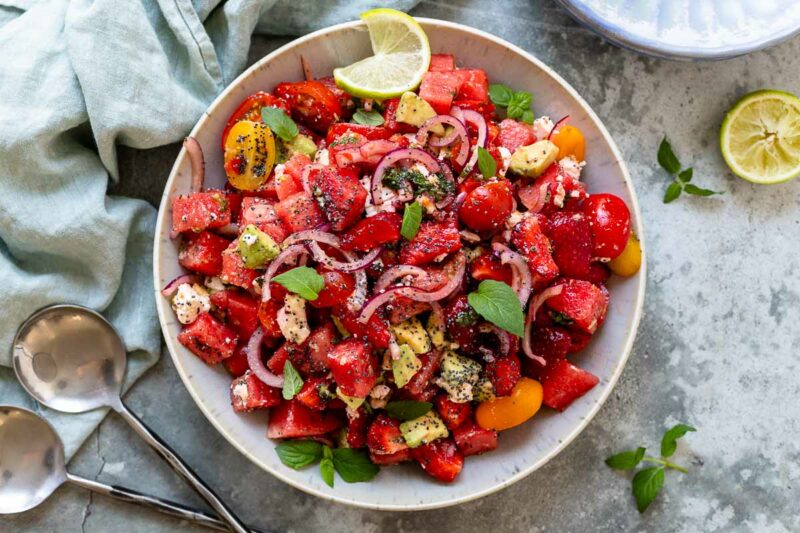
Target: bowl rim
{"x":164,"y":308}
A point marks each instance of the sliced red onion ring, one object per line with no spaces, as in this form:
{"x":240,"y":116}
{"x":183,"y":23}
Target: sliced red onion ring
{"x":502,"y":335}
{"x":173,"y":285}
{"x":415,"y":294}
{"x":459,"y":131}
{"x":476,"y":119}
{"x":359,"y":296}
{"x":469,"y":236}
{"x":532,"y":310}
{"x":350,"y":266}
{"x":253,"y":350}
{"x":318,"y":235}
{"x":448,"y":175}
{"x":415,"y":154}
{"x":459,"y":200}
{"x":304,"y":176}
{"x":557,"y":126}
{"x":523,"y":281}
{"x":396,"y":272}
{"x":195,"y":152}
{"x":285,"y":256}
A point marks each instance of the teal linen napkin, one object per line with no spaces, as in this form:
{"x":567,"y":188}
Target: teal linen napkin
{"x":78,"y":78}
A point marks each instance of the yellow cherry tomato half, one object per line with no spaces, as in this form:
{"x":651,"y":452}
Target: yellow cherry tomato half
{"x":569,"y":140}
{"x":509,"y":411}
{"x":630,"y":260}
{"x":249,"y":154}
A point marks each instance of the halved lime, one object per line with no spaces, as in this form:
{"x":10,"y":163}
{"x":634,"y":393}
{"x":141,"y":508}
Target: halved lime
{"x":760,"y":137}
{"x":402,"y":56}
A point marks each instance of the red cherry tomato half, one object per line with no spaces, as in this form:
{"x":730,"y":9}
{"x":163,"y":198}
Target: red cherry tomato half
{"x":250,"y":109}
{"x":312,"y":103}
{"x":487,"y":207}
{"x":610,"y":221}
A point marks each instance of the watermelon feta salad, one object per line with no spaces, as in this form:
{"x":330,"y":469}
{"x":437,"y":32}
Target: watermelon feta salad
{"x":403,"y":278}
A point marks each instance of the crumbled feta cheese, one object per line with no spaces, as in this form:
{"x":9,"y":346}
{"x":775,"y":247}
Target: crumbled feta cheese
{"x":428,"y":204}
{"x":514,"y":218}
{"x":240,"y":391}
{"x":292,"y":319}
{"x":558,"y":199}
{"x":505,"y":155}
{"x":419,"y":167}
{"x":542,"y":127}
{"x":461,"y":393}
{"x":214,"y":284}
{"x":189,"y":301}
{"x":380,"y":391}
{"x":249,"y":238}
{"x":571,"y":167}
{"x":322,"y":157}
{"x":386,"y":195}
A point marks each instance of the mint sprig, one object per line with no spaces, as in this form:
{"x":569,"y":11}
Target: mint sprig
{"x":352,"y":465}
{"x":669,"y":162}
{"x":486,"y":163}
{"x":647,"y":483}
{"x":302,"y":280}
{"x":499,"y":304}
{"x":292,"y":382}
{"x":407,"y":409}
{"x":412,"y":218}
{"x":517,"y":103}
{"x":279,"y":122}
{"x":368,"y":118}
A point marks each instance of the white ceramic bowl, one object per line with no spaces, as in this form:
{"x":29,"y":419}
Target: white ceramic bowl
{"x":522,"y":449}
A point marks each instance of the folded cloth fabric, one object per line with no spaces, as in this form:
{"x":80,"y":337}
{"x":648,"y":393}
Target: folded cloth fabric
{"x":78,"y":78}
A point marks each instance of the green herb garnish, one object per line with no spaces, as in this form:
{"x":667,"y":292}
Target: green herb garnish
{"x":279,"y":122}
{"x":647,"y":483}
{"x":304,"y":281}
{"x":499,"y":304}
{"x":517,"y":103}
{"x":407,"y":409}
{"x":412,"y":217}
{"x":486,"y":163}
{"x":368,"y":118}
{"x":326,"y":466}
{"x":670,"y":163}
{"x":434,"y":185}
{"x":292,"y":382}
{"x":352,"y":465}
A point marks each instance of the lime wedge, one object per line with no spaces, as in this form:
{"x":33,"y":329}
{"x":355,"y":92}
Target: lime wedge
{"x":760,"y":137}
{"x":402,"y":56}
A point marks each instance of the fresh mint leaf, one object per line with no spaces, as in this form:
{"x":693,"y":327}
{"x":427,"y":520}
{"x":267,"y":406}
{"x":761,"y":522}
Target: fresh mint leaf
{"x":499,"y":304}
{"x":500,"y":94}
{"x":326,"y":466}
{"x":667,"y":159}
{"x":626,"y":460}
{"x":354,"y":465}
{"x":698,"y":191}
{"x":685,"y":175}
{"x":368,"y":118}
{"x":673,"y":191}
{"x":486,"y":163}
{"x":518,"y":104}
{"x":302,"y":280}
{"x":646,"y":485}
{"x":669,"y":442}
{"x":407,"y":409}
{"x":412,"y":218}
{"x":299,"y":453}
{"x":279,"y":122}
{"x":527,"y":116}
{"x":292,"y":382}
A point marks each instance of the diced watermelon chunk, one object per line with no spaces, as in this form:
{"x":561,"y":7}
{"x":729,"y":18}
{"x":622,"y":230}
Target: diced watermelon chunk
{"x":340,"y":195}
{"x":440,"y":458}
{"x":202,"y":252}
{"x":442,"y":63}
{"x":388,"y":459}
{"x":563,"y":383}
{"x":209,"y":339}
{"x":369,"y":233}
{"x":249,"y":393}
{"x":530,"y":240}
{"x":278,"y":359}
{"x":474,"y":85}
{"x":233,"y":270}
{"x":488,"y":266}
{"x":290,"y":180}
{"x":357,"y":427}
{"x":504,"y":372}
{"x":376,"y":331}
{"x":237,"y":364}
{"x":299,"y":212}
{"x":439,"y":89}
{"x":310,"y":395}
{"x":432,"y":240}
{"x":241,"y":311}
{"x":472,"y":439}
{"x":261,"y":213}
{"x":384,"y":436}
{"x":268,"y":315}
{"x":292,"y":420}
{"x":581,"y":304}
{"x":514,"y":134}
{"x":354,"y":367}
{"x":199,"y":211}
{"x":454,"y":414}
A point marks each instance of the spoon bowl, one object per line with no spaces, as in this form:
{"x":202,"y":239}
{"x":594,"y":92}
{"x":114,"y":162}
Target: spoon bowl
{"x":31,"y":460}
{"x":70,"y":358}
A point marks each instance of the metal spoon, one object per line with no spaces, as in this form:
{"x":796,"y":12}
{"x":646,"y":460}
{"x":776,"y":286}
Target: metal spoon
{"x":32,"y":467}
{"x":71,"y":359}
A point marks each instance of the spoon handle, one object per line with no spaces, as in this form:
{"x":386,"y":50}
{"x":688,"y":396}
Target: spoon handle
{"x":181,"y":468}
{"x":169,"y":507}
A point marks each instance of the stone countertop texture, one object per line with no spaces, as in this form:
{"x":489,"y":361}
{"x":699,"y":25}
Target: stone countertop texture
{"x":716,"y":348}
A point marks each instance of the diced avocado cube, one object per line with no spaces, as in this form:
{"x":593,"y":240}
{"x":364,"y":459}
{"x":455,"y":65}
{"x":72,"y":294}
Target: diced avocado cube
{"x":412,"y":333}
{"x":436,"y":330}
{"x":404,"y":367}
{"x":423,"y":430}
{"x":483,"y":391}
{"x":350,"y":401}
{"x":415,"y":111}
{"x":256,"y":247}
{"x":301,"y":144}
{"x":459,"y":375}
{"x":533,"y":159}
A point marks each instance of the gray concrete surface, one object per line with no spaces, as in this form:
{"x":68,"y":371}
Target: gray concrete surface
{"x":717,"y":346}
